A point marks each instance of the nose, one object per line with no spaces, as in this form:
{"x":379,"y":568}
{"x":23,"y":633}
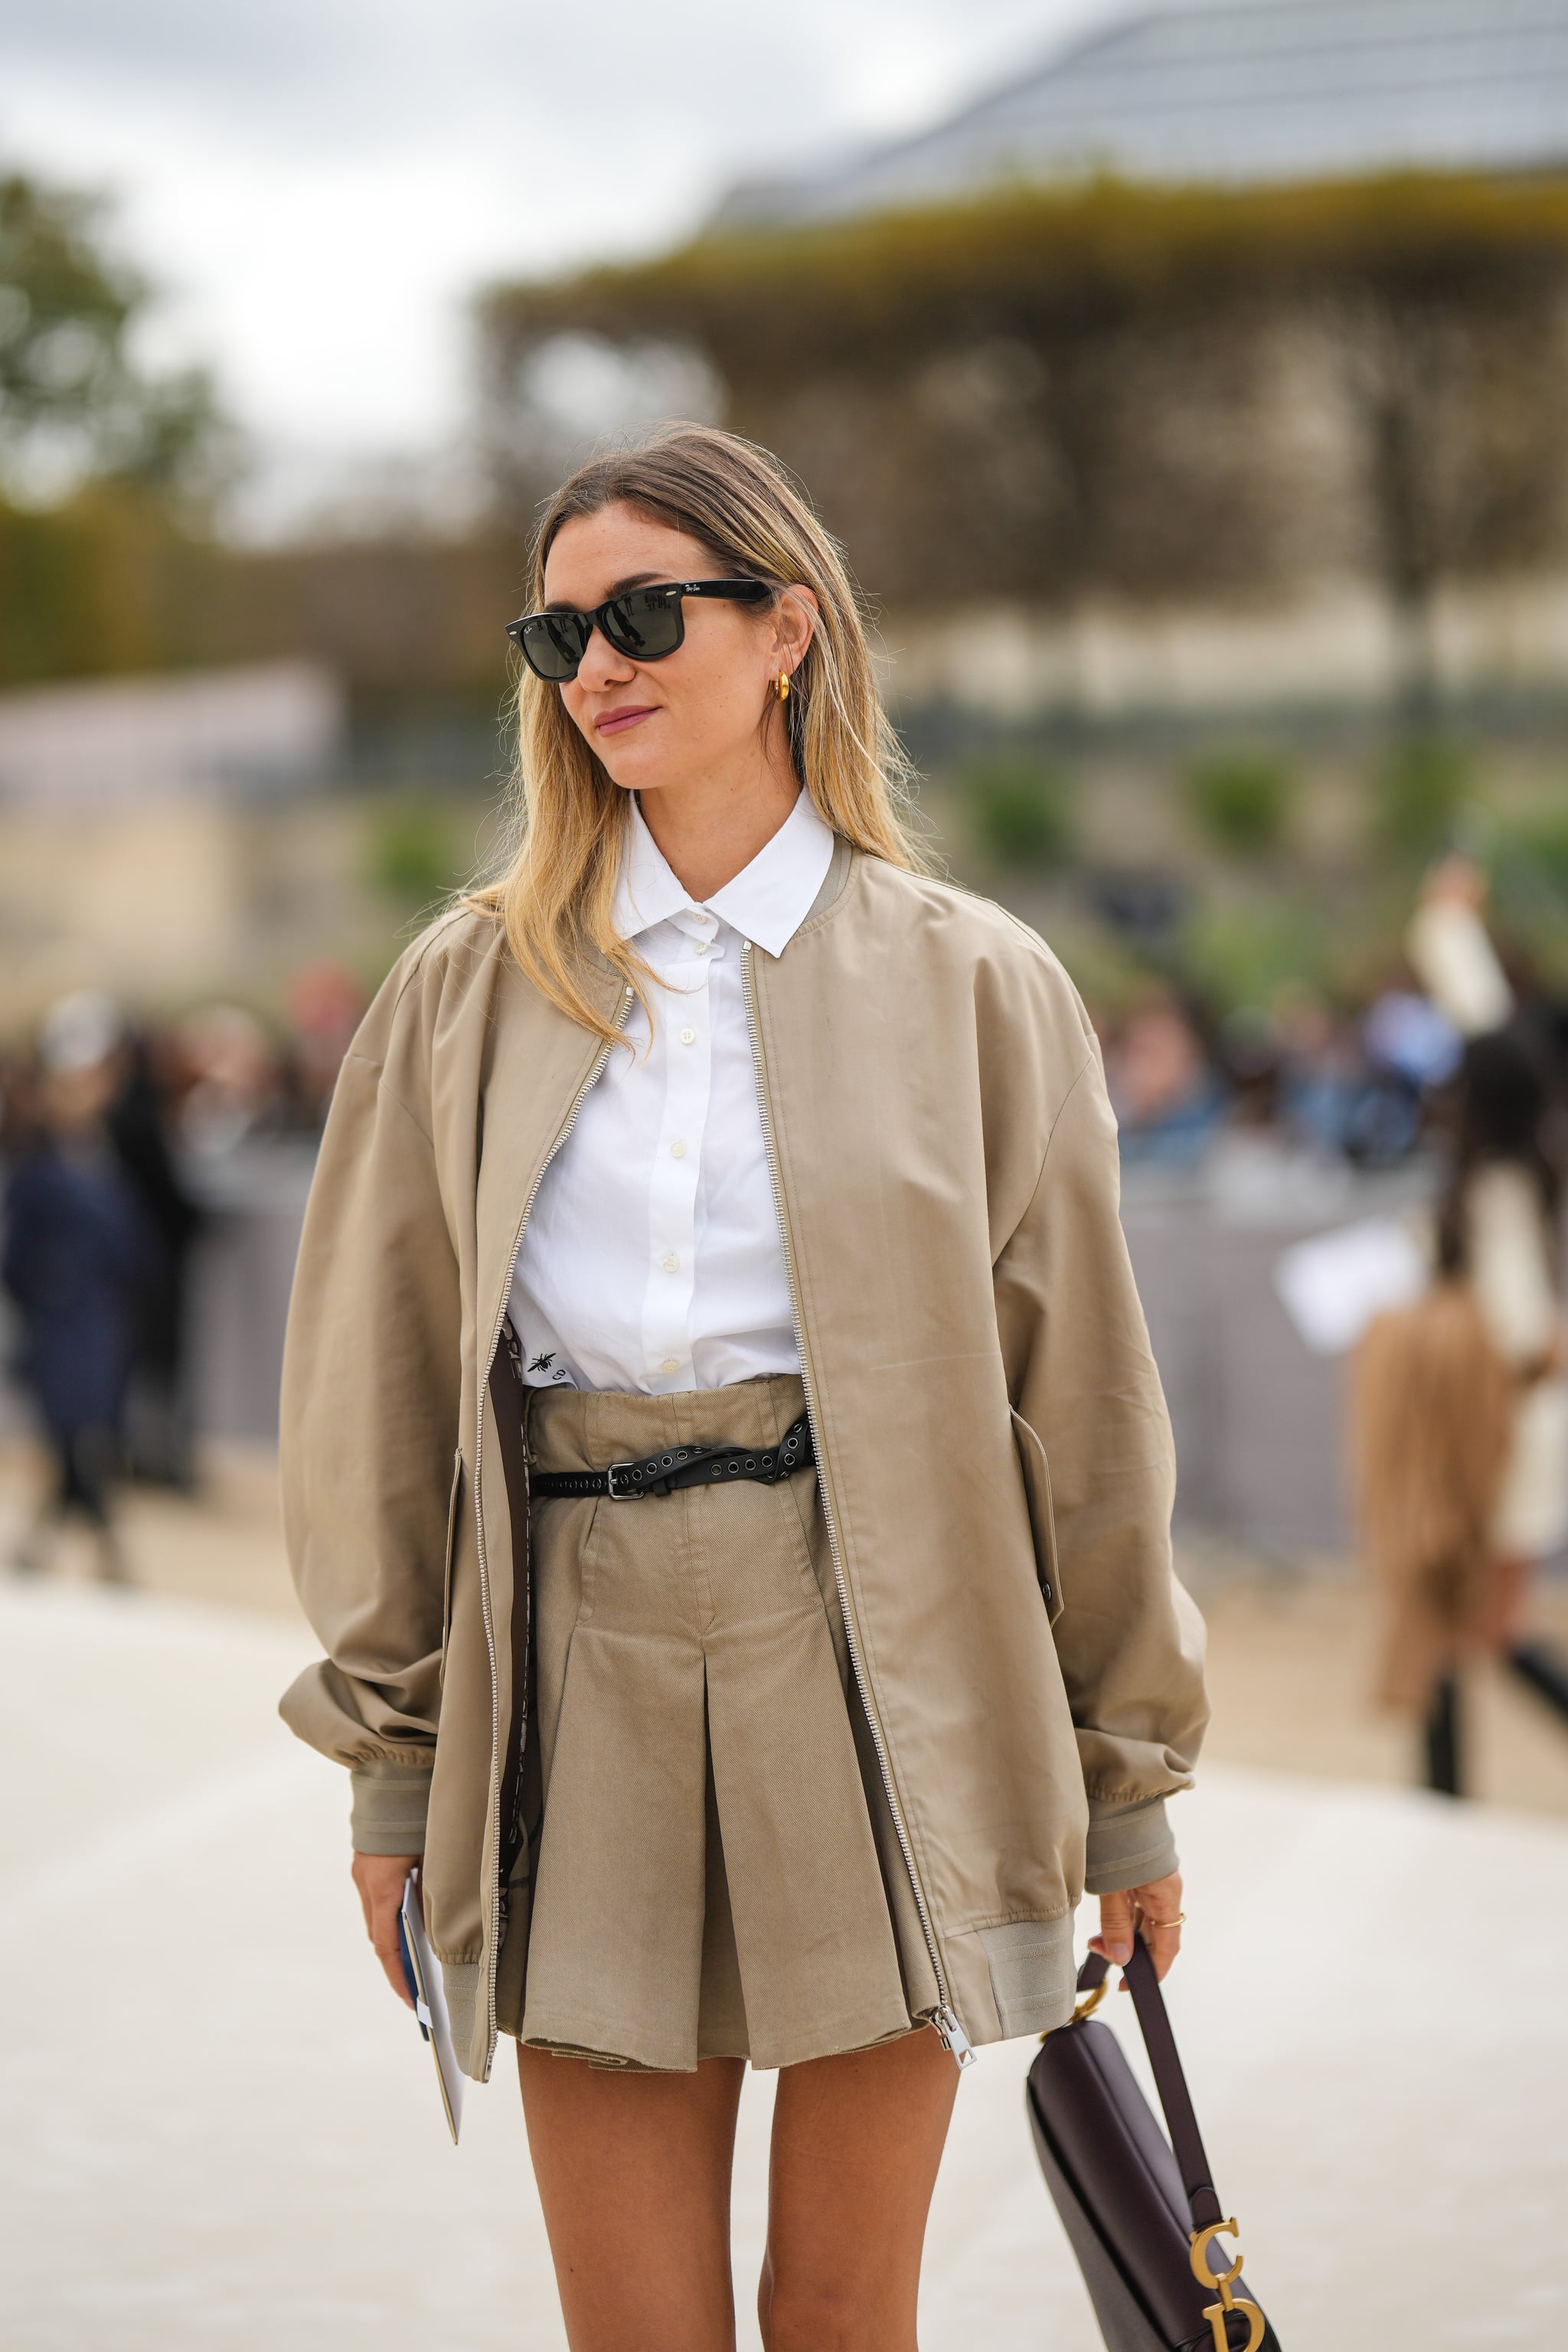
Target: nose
{"x":601,"y":665}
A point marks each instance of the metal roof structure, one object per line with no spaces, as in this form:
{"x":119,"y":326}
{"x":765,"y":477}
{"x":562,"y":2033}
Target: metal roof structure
{"x":1245,"y":92}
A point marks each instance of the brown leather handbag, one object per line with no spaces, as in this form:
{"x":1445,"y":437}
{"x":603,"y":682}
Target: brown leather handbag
{"x":1141,"y":2213}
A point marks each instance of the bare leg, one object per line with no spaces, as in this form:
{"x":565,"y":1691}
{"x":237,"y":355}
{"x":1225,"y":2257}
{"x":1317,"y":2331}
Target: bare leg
{"x":1502,"y":1622}
{"x":634,"y":2176}
{"x":856,"y":2143}
{"x":31,"y":1553}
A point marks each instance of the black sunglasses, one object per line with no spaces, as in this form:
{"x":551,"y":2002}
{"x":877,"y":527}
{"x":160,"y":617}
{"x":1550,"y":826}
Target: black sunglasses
{"x":645,"y":625}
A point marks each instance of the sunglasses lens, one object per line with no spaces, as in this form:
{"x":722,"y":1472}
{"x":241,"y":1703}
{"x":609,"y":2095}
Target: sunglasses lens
{"x":553,"y":643}
{"x":645,"y":623}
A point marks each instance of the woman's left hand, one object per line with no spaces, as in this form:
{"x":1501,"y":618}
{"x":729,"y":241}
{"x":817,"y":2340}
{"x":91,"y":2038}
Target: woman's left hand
{"x":1155,"y":1911}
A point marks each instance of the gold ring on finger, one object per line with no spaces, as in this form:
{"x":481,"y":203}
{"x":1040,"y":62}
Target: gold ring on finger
{"x":1179,"y":1921}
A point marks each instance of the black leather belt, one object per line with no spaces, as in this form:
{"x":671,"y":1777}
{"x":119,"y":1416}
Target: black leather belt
{"x":683,"y":1466}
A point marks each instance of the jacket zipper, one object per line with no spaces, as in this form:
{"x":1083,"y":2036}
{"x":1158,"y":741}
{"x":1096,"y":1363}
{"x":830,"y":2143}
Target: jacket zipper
{"x":944,"y":2018}
{"x":496,"y":1897}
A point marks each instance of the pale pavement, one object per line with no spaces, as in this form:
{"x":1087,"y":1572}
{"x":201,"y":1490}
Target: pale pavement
{"x":218,"y":2133}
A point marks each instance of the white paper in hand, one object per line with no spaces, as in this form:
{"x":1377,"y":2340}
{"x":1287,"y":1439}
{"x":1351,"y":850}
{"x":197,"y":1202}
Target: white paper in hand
{"x":1332,"y":1285}
{"x":423,"y":1972}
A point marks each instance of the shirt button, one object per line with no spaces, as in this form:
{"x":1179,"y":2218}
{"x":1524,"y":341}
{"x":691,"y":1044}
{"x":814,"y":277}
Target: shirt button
{"x":701,"y":946}
{"x":689,"y":1037}
{"x":677,"y":1151}
{"x":670,"y":1364}
{"x":672,"y":1264}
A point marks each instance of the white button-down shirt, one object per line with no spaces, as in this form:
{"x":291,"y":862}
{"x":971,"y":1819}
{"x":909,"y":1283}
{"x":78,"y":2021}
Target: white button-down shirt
{"x":652,"y":1259}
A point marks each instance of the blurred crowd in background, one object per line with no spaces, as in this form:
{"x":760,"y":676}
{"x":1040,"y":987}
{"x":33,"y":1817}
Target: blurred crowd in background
{"x":205,"y":1081}
{"x":1369,"y":1083}
{"x":110,"y":1132}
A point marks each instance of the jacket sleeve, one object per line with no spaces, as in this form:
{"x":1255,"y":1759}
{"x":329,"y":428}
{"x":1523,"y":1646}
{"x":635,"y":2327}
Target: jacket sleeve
{"x":1081,"y":1373}
{"x":370,"y":1406}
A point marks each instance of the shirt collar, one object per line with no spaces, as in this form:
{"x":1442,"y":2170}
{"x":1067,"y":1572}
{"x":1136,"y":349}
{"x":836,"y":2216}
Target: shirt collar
{"x":766,"y":902}
{"x":647,"y":892}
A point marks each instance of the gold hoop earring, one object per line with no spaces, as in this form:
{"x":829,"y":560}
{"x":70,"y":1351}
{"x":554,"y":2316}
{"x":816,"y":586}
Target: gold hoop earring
{"x":781,"y":687}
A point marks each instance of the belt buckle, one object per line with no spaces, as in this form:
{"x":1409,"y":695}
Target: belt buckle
{"x":623,"y":1493}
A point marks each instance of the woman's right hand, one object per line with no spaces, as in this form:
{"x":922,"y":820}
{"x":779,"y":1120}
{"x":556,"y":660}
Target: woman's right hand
{"x":381,"y":1879}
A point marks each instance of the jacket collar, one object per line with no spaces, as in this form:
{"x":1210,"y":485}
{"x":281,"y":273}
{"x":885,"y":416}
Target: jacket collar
{"x":766,"y":902}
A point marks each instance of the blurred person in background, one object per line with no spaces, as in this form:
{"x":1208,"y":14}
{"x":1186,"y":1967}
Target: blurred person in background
{"x":158,"y":1434}
{"x":1319,"y":1069}
{"x":1462,"y":1436}
{"x":1250,"y":1069}
{"x":326,"y":1005}
{"x":231,"y":1084}
{"x":77,"y":1258}
{"x":1410,"y":1048}
{"x":1164,"y":1088}
{"x":717,"y":1142}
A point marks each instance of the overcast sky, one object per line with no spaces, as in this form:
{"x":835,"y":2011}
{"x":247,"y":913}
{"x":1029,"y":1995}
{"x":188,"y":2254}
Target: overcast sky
{"x":320,"y":183}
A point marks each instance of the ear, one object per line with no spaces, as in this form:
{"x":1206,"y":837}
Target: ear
{"x":794,"y":624}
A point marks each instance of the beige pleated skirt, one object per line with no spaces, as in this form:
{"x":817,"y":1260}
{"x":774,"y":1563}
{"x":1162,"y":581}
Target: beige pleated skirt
{"x":714,"y":1871}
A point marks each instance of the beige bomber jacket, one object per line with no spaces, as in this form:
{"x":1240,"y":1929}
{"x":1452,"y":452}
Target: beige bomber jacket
{"x":992,"y":1439}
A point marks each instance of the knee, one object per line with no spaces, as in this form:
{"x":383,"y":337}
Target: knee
{"x":806,"y":2317}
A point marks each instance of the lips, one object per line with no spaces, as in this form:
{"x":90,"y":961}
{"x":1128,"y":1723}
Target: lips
{"x":615,"y":722}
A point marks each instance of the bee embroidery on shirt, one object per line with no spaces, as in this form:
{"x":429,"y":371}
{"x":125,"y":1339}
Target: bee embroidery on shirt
{"x":542,"y":1363}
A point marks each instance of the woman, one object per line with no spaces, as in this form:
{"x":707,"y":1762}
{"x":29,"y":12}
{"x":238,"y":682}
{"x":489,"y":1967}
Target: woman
{"x":715,"y":1142}
{"x":1497,"y":1242}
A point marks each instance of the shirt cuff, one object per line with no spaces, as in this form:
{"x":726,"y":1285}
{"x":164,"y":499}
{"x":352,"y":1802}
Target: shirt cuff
{"x":1129,"y":1845}
{"x":390,"y":1802}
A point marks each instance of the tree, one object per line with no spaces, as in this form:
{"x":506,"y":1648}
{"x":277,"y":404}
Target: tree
{"x":107,"y":472}
{"x":74,"y":407}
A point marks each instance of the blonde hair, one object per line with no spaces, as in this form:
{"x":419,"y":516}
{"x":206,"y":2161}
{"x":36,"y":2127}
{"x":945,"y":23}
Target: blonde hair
{"x":558,"y":891}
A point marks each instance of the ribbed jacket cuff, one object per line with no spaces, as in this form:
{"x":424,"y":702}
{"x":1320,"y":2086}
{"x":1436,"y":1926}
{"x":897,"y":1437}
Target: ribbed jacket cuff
{"x":460,"y":1982}
{"x":1128,"y":1845}
{"x":390,"y":1802}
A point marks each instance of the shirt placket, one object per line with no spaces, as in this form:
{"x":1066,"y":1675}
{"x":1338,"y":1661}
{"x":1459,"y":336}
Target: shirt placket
{"x":685,"y":1012}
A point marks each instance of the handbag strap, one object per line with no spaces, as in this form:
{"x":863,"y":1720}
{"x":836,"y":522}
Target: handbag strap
{"x":1180,"y":2121}
{"x":509,"y":1400}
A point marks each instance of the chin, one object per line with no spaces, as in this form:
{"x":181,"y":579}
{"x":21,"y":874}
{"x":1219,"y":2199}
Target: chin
{"x":632,"y":774}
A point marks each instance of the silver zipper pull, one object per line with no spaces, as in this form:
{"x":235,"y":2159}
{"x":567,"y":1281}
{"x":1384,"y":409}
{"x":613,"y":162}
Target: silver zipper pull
{"x":952,"y":2037}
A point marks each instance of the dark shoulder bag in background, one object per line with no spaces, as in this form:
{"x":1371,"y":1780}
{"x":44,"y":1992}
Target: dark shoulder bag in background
{"x":1142,"y":2220}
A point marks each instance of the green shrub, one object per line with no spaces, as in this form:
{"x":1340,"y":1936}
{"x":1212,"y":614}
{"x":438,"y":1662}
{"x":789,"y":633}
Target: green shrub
{"x":1529,"y":858}
{"x":1239,"y":958}
{"x":414,"y":855}
{"x":1417,"y":793}
{"x":1020,"y":808}
{"x":1240,"y":801}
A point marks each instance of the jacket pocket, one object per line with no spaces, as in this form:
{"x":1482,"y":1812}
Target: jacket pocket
{"x":454,"y":1504}
{"x":1037,"y":1473}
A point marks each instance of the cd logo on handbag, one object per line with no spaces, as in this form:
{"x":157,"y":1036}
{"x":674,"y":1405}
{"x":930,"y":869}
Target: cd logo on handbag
{"x":1217,"y":2313}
